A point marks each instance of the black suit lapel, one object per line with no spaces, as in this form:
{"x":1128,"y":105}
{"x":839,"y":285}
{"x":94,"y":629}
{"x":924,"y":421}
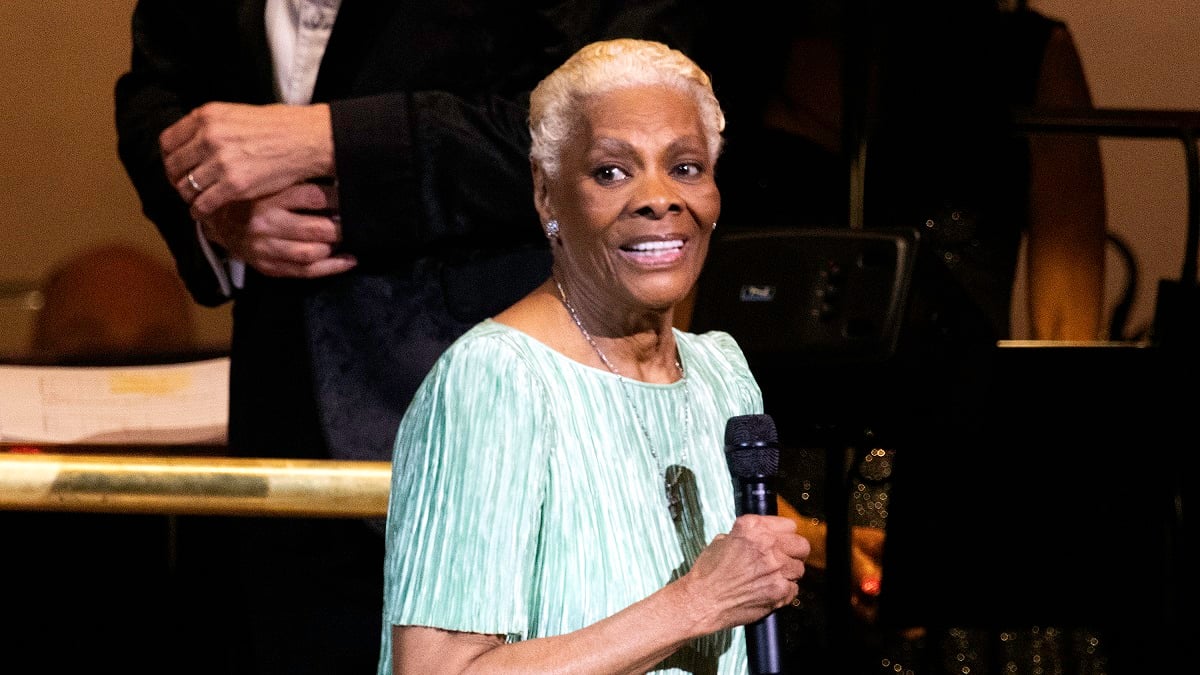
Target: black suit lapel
{"x":358,"y":22}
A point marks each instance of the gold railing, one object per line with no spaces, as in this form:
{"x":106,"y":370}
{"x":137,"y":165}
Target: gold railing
{"x":111,"y":483}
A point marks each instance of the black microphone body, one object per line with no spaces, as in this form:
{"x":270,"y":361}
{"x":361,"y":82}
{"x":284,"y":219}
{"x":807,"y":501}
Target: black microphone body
{"x":752,"y":452}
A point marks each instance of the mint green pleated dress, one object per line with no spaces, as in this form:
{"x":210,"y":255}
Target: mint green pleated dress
{"x":526,"y":500}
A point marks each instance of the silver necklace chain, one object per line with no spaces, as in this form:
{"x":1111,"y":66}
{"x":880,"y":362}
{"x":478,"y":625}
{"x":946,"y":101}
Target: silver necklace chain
{"x":670,"y":482}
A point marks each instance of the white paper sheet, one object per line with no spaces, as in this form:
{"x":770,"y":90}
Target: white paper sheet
{"x":184,"y":403}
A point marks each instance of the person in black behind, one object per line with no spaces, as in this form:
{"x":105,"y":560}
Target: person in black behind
{"x":929,"y":87}
{"x":354,"y":176}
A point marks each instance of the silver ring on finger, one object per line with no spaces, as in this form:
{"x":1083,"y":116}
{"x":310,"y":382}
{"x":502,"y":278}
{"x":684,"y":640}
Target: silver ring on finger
{"x":195,"y":185}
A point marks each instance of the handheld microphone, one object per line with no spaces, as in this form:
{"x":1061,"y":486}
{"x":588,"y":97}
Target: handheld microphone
{"x":752,"y":452}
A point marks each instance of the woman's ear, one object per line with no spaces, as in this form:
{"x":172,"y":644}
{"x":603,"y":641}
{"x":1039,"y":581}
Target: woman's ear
{"x":541,"y":198}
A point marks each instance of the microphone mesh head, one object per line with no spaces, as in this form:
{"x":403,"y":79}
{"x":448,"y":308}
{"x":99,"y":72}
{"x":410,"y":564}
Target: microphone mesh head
{"x":752,"y":446}
{"x":751,"y":430}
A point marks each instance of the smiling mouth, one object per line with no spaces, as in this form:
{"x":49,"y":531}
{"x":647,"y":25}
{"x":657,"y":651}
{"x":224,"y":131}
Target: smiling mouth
{"x":654,"y":247}
{"x":655,"y":253}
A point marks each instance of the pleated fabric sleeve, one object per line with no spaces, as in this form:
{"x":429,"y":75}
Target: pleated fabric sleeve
{"x":460,"y":461}
{"x":528,"y":493}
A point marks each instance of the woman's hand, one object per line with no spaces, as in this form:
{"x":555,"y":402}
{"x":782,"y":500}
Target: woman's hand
{"x":742,"y":576}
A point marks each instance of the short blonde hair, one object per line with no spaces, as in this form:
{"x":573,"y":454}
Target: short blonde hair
{"x":605,"y":66}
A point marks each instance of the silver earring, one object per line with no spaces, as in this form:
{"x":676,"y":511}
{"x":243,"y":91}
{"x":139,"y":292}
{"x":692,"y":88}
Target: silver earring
{"x":714,"y":225}
{"x":551,"y":229}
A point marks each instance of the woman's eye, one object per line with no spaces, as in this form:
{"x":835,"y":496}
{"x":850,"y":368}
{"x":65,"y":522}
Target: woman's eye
{"x":688,"y":169}
{"x":610,"y":174}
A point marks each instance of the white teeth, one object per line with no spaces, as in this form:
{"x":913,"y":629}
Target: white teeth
{"x":657,"y":245}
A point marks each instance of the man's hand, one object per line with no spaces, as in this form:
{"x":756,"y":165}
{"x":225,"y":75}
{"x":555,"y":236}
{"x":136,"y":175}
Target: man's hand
{"x":222,"y":153}
{"x":288,"y":234}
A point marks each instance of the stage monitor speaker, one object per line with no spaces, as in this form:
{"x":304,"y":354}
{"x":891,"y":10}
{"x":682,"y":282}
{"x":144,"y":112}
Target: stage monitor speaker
{"x":799,"y":296}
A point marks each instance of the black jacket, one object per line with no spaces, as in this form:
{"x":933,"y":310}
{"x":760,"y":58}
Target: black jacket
{"x":429,"y":113}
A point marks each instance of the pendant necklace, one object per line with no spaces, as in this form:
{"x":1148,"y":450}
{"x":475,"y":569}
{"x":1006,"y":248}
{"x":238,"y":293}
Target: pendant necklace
{"x":670,"y":477}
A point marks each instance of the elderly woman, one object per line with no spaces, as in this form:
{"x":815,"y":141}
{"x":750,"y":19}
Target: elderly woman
{"x":560,"y":497}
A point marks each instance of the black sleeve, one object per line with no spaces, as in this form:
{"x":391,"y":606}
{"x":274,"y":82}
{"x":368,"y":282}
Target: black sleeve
{"x":180,"y":58}
{"x":429,"y":170}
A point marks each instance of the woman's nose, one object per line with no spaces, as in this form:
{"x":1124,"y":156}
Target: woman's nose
{"x":657,"y":195}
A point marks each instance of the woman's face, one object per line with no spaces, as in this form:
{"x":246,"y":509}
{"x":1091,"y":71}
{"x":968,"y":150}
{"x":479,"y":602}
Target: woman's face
{"x":635,"y":200}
